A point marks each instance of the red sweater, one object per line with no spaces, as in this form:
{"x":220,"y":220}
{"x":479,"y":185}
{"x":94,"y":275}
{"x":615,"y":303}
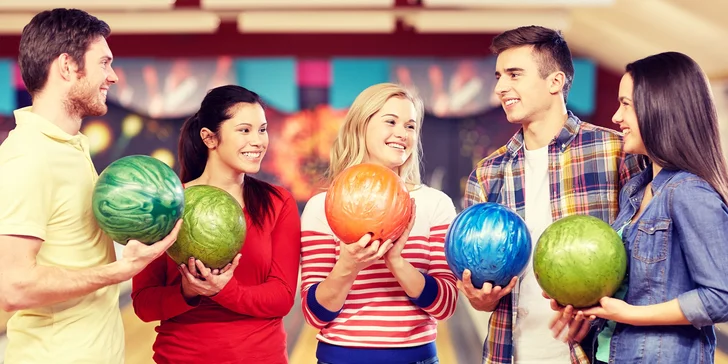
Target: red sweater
{"x":243,"y":323}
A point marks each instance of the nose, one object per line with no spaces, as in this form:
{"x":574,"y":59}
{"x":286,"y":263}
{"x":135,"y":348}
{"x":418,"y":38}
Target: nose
{"x":617,"y":117}
{"x":502,"y":86}
{"x":400,"y":131}
{"x":112,"y":77}
{"x":255,"y":140}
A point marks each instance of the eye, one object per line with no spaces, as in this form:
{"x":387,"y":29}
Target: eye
{"x":263,"y":130}
{"x":411,"y":126}
{"x":514,"y":75}
{"x":245,"y":130}
{"x":390,"y":121}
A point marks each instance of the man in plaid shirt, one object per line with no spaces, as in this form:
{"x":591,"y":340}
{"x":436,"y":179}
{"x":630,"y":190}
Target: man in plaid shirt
{"x":555,"y":166}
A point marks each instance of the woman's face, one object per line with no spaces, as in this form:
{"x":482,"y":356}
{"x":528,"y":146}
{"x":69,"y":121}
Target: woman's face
{"x":626,"y":118}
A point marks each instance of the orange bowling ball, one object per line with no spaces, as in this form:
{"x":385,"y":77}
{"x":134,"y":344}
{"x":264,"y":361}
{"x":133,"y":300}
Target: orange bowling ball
{"x":368,"y":198}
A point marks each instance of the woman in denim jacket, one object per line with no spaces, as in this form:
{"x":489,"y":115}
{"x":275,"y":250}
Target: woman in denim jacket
{"x":673,"y":220}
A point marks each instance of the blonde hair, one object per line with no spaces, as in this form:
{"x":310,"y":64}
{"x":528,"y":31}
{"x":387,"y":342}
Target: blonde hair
{"x":349,"y":147}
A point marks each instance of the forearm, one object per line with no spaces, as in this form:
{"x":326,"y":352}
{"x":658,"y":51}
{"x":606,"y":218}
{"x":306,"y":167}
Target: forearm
{"x":274,"y":298}
{"x":44,"y":285}
{"x":161,"y":302}
{"x":332,"y":291}
{"x":661,"y":314}
{"x":408,"y":277}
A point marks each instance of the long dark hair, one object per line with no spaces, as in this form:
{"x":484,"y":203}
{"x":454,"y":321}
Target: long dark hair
{"x":677,"y":118}
{"x":192,"y":151}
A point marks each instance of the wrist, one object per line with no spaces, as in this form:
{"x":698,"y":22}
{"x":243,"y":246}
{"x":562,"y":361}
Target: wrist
{"x":635,"y":316}
{"x":344,"y":271}
{"x":121,"y":271}
{"x":395,"y":264}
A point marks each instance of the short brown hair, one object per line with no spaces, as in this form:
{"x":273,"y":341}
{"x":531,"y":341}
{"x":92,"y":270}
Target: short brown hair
{"x":549,"y":46}
{"x":52,"y":33}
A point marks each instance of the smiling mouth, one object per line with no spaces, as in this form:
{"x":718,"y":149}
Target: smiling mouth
{"x":252,"y":155}
{"x":511,"y":102}
{"x":396,"y":146}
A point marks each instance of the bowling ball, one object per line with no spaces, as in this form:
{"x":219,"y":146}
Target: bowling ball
{"x":137,"y":197}
{"x":367,"y":198}
{"x":213,"y":228}
{"x":490,"y":240}
{"x":578,"y":260}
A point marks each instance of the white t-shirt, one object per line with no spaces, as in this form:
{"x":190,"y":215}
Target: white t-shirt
{"x":534,"y":342}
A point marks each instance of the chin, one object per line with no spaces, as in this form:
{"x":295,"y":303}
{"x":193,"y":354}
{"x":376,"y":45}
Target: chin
{"x":514,"y":119}
{"x":250,"y":169}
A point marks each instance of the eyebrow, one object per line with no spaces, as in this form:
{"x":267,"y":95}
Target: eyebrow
{"x":510,"y":70}
{"x":250,"y":125}
{"x":397,"y":117}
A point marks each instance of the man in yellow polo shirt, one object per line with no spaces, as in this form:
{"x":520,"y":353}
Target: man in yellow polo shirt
{"x":58,"y":270}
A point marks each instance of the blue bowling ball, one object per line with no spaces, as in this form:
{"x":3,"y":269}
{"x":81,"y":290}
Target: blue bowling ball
{"x":490,"y":240}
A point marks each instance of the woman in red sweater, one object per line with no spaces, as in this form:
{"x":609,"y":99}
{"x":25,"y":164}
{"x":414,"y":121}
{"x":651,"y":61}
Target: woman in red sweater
{"x":234,"y":315}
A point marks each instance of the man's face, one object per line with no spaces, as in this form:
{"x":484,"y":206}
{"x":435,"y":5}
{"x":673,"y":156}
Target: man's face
{"x":87,"y":96}
{"x":523,"y":93}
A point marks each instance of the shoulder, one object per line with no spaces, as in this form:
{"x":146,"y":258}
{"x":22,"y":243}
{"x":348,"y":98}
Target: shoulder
{"x":434,"y":204}
{"x":19,"y":156}
{"x":494,"y":159}
{"x":590,"y":130}
{"x":689,"y":188}
{"x":316,"y":201}
{"x":426,"y":193}
{"x":313,"y":216}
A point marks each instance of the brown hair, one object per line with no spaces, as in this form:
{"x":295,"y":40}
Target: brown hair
{"x":549,"y":47}
{"x":52,"y":33}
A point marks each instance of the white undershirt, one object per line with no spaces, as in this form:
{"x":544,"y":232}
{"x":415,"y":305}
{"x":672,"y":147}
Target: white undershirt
{"x":534,"y":342}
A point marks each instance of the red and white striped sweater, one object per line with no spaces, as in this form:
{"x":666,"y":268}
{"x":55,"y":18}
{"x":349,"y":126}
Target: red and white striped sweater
{"x":377,"y":312}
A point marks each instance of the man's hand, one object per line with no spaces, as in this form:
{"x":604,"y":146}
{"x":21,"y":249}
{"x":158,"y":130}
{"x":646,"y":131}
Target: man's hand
{"x":487,"y":298}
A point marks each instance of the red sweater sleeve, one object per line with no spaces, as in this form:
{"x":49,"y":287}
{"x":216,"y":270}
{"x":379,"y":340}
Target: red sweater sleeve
{"x":274,"y":297}
{"x":152,"y":298}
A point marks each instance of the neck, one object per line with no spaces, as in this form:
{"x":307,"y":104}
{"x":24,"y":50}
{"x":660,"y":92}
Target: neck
{"x":51,"y":107}
{"x":218,"y":175}
{"x":656,"y":168}
{"x":540,"y":131}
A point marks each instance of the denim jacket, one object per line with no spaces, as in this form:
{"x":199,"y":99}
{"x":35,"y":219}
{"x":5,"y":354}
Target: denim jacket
{"x":677,"y":248}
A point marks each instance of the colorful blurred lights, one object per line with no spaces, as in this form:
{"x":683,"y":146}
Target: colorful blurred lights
{"x":164,"y":155}
{"x":99,"y":136}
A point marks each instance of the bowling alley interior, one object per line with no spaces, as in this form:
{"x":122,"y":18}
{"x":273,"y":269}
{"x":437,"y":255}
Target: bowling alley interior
{"x":308,"y":61}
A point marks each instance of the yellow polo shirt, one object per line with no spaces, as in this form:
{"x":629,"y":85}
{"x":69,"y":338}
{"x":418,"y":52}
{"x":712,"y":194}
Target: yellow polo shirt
{"x":46,"y":183}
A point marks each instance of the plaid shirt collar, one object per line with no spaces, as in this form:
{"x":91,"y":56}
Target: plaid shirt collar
{"x":564,"y":139}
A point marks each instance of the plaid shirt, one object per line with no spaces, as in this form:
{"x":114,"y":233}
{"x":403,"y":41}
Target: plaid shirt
{"x":587,"y":168}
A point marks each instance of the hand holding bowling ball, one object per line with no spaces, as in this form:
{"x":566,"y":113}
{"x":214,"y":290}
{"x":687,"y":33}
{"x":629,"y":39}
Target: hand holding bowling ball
{"x":199,"y":280}
{"x":486,"y":298}
{"x":361,"y":254}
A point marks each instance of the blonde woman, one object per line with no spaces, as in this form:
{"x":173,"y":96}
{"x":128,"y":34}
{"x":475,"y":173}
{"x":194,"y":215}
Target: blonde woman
{"x":379,"y":302}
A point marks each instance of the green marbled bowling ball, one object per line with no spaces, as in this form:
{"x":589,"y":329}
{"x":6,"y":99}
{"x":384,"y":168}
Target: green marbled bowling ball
{"x":138,"y":197}
{"x":213,"y":228}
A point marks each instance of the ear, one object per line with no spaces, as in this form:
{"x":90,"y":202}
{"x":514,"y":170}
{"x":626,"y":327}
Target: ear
{"x":67,"y":67}
{"x":557,"y":80}
{"x":209,"y":138}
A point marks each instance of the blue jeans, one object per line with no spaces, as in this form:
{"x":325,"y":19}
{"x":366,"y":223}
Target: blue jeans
{"x":433,"y":360}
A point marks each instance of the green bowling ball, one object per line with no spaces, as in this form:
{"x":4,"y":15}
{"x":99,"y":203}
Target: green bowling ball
{"x":213,"y":228}
{"x":137,"y":197}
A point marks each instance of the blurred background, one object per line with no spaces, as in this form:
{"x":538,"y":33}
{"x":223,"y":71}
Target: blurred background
{"x":309,"y":59}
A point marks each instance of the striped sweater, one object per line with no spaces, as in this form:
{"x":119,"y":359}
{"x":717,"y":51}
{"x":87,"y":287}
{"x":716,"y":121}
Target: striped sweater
{"x":378,"y":319}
